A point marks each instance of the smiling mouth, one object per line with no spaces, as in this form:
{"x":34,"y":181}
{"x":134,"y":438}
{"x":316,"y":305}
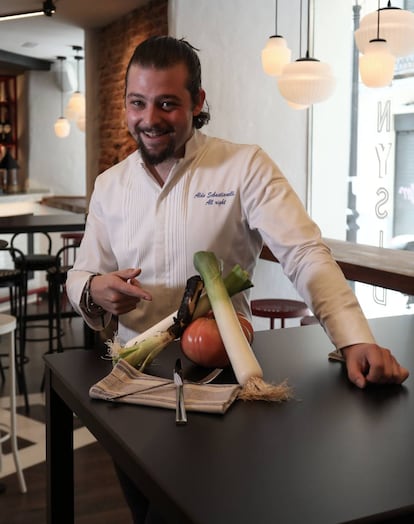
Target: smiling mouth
{"x":155,"y":133}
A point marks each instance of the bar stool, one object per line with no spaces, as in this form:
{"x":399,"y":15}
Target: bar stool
{"x":281,"y":308}
{"x":7,"y":331}
{"x":14,"y":280}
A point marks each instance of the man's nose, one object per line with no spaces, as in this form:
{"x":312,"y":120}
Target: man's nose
{"x":151,"y":115}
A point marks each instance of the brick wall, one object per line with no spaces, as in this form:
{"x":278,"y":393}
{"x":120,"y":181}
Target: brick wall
{"x":118,"y":41}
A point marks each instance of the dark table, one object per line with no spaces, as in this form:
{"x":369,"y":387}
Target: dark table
{"x":377,"y":266}
{"x":334,"y":454}
{"x":46,"y":223}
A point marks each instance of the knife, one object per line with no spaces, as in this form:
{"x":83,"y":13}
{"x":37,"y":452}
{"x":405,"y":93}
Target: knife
{"x":180,"y":413}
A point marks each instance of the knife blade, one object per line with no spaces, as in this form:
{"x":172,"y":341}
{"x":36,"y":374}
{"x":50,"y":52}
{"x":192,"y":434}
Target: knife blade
{"x":180,"y":412}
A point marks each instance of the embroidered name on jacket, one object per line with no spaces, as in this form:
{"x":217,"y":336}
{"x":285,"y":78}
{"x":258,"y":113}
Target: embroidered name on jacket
{"x":215,"y":198}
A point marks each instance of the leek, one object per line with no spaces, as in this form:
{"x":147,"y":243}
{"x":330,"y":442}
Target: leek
{"x":248,"y":372}
{"x":240,"y":353}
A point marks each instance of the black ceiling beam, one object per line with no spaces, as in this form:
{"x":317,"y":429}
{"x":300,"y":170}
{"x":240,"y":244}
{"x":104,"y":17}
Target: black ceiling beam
{"x":22,"y":62}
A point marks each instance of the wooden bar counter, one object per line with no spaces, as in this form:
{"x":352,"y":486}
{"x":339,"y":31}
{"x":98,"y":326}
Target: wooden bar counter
{"x":377,"y":266}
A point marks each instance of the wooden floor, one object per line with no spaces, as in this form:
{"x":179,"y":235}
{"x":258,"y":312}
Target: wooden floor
{"x":98,"y":498}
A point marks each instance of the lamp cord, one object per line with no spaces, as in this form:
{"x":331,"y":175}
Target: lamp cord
{"x":61,"y":87}
{"x":300,"y":30}
{"x":378,"y":20}
{"x":308,"y":29}
{"x":275,"y":17}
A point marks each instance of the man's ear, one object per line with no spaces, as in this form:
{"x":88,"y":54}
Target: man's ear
{"x":199,"y":106}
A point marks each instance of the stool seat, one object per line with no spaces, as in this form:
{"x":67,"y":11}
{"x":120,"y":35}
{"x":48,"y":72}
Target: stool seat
{"x":8,"y":327}
{"x":280,"y":308}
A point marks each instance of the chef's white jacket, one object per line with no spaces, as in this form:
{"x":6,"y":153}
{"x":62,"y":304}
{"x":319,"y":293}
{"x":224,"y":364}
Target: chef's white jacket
{"x":221,"y":197}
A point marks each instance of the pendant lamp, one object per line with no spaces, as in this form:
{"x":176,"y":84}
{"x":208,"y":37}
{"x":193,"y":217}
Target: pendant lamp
{"x":81,"y":122}
{"x":376,"y":65}
{"x":397,"y":28}
{"x":62,"y":125}
{"x":76,"y":104}
{"x":275,"y":54}
{"x":306,"y":81}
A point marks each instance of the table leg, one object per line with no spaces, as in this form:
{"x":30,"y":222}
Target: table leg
{"x":59,"y":457}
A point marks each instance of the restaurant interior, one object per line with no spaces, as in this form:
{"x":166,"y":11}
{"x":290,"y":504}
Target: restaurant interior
{"x":293,"y":76}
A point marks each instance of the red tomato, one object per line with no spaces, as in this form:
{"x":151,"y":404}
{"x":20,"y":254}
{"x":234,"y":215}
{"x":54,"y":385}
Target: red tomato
{"x":202,"y":344}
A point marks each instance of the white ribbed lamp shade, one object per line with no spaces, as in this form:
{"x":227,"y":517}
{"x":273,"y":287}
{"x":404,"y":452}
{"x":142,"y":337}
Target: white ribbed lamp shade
{"x":81,"y":122}
{"x":62,"y":127}
{"x":376,"y":66}
{"x":306,"y":81}
{"x":396,"y":27}
{"x":76,"y":106}
{"x":275,"y":55}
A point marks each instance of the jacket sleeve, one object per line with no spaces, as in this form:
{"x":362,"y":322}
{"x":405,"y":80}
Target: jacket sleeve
{"x":275,"y":210}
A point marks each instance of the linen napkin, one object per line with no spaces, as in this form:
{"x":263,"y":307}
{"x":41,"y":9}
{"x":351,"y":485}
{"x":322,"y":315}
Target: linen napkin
{"x":126,"y":384}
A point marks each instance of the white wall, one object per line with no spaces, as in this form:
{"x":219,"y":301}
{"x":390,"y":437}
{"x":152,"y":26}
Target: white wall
{"x":245,"y":104}
{"x":57,"y":164}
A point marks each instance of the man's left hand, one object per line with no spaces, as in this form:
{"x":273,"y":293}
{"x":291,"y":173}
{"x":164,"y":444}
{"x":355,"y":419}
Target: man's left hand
{"x":370,"y":363}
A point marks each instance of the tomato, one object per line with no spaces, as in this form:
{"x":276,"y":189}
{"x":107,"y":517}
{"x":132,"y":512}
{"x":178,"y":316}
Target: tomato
{"x":201,"y":341}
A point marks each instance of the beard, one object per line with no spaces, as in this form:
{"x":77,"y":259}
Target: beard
{"x":151,"y":158}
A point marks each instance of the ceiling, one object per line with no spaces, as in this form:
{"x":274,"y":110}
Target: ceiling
{"x":44,"y":37}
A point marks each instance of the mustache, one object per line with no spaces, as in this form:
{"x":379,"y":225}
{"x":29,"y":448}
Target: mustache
{"x":154,"y":129}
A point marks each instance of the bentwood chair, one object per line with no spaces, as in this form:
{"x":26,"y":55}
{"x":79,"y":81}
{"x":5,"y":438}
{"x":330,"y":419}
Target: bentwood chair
{"x":56,"y":277}
{"x":38,"y":257}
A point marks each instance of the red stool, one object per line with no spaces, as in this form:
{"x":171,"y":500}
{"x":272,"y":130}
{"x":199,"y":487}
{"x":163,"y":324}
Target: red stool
{"x":280,"y":308}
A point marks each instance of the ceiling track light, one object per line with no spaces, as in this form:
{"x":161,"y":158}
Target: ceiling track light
{"x":48,"y":9}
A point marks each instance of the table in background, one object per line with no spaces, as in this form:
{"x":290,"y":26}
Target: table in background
{"x":333,"y":454}
{"x":377,"y":266}
{"x":45,"y":223}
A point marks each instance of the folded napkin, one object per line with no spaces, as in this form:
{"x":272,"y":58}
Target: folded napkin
{"x":126,"y":384}
{"x":336,"y":355}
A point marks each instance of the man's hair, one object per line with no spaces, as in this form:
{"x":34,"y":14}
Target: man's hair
{"x":162,"y":52}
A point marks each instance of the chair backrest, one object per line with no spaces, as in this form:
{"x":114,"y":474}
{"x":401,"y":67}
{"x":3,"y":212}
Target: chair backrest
{"x":7,"y":262}
{"x":61,"y":255}
{"x":31,"y":248}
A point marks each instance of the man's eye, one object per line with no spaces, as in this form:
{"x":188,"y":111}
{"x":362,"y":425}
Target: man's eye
{"x":168,"y":105}
{"x":137,"y":103}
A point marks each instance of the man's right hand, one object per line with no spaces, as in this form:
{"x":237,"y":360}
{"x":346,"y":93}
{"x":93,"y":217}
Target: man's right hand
{"x":118,"y":292}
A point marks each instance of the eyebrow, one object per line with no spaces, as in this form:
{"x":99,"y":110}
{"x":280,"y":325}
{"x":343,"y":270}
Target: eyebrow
{"x":158,"y":97}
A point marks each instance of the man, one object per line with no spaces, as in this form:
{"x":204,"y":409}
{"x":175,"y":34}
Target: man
{"x":182,"y":192}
